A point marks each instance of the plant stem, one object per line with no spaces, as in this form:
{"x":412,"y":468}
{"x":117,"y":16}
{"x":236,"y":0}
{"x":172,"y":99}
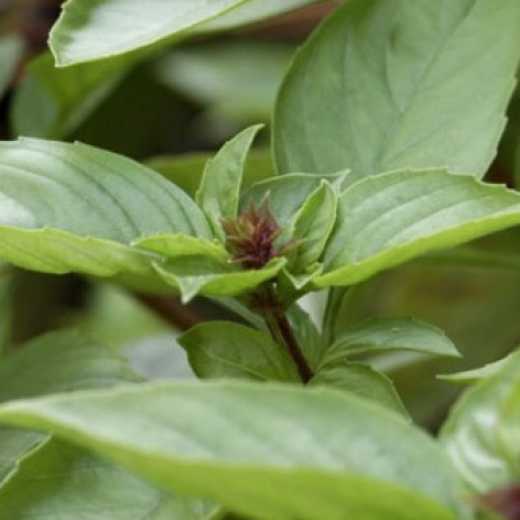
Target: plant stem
{"x":283,"y":334}
{"x":171,"y":310}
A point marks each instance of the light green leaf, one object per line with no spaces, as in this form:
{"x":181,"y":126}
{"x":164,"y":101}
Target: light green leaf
{"x":242,"y":312}
{"x":186,"y":170}
{"x":286,"y":193}
{"x":233,"y":80}
{"x":470,"y":435}
{"x":56,"y":362}
{"x":92,"y":30}
{"x":64,"y":480}
{"x":380,"y":87}
{"x":59,"y":252}
{"x":509,"y":429}
{"x":361,"y":380}
{"x":337,"y":298}
{"x":90,"y":192}
{"x":221,"y":349}
{"x":307,"y":335}
{"x":178,"y":245}
{"x":384,"y":221}
{"x":219,"y":191}
{"x":250,"y":12}
{"x":379,"y":335}
{"x":52,"y":103}
{"x":11,"y":49}
{"x":295,"y":284}
{"x":71,"y":207}
{"x":194,"y":275}
{"x":226,"y":440}
{"x":313,"y":225}
{"x":71,"y":483}
{"x":478,"y":374}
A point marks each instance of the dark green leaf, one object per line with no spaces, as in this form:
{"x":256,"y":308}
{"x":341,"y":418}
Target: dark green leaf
{"x":223,"y":349}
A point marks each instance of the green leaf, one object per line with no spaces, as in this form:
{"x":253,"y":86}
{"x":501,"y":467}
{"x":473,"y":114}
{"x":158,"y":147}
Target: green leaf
{"x":287,"y":194}
{"x":56,"y":362}
{"x":471,"y":433}
{"x":186,"y":170}
{"x":508,"y":160}
{"x":223,"y":349}
{"x":361,"y":380}
{"x":11,"y":50}
{"x":242,"y":312}
{"x":307,"y":335}
{"x":6,"y":310}
{"x":71,"y":207}
{"x":219,"y":191}
{"x":478,"y":374}
{"x":178,"y":245}
{"x":337,"y":298}
{"x":384,"y":221}
{"x":193,"y":275}
{"x":52,"y":103}
{"x":250,"y":12}
{"x":70,"y":483}
{"x":92,"y":30}
{"x":380,"y":87}
{"x":90,"y":192}
{"x":509,"y":429}
{"x":232,"y":80}
{"x":313,"y":225}
{"x":59,"y":252}
{"x":295,"y":285}
{"x":226,"y":440}
{"x":379,"y":335}
{"x":64,"y":480}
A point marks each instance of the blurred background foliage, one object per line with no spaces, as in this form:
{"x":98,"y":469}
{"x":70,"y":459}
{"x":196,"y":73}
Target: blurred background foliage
{"x":171,"y":111}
